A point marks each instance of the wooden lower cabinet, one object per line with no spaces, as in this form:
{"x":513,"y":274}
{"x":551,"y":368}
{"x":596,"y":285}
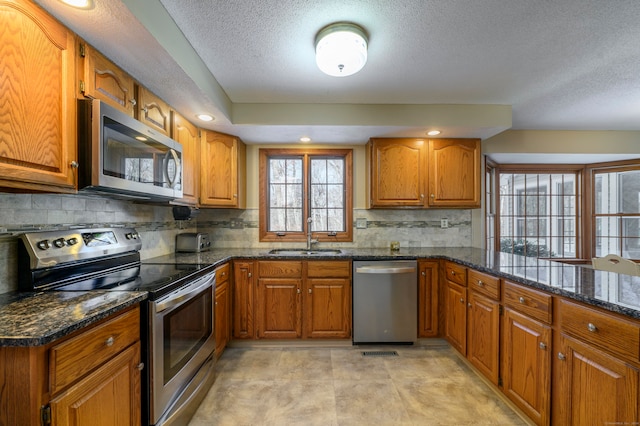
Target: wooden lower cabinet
{"x":243,"y":299}
{"x":279,"y":308}
{"x":222,"y":309}
{"x":456,"y":316}
{"x":327,"y":300}
{"x":427,"y":299}
{"x":293,"y":299}
{"x":526,"y":365}
{"x":483,"y":338}
{"x":594,"y":388}
{"x":92,"y":377}
{"x":109,"y":396}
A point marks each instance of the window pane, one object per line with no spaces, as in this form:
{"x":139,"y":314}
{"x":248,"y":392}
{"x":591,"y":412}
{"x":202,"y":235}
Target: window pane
{"x":294,"y":170}
{"x":318,"y":196}
{"x":335,"y":220}
{"x":335,"y":171}
{"x":630,"y":191}
{"x":294,"y":196}
{"x":277,"y":196}
{"x":335,"y":196}
{"x":294,"y":220}
{"x":277,"y":220}
{"x":277,"y":167}
{"x":318,"y":171}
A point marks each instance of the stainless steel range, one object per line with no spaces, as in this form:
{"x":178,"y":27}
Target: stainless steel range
{"x":177,"y":325}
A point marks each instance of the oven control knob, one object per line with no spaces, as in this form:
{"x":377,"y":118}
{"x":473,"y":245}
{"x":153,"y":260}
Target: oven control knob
{"x":43,"y":245}
{"x":72,"y":241}
{"x":131,"y":235}
{"x":60,"y":242}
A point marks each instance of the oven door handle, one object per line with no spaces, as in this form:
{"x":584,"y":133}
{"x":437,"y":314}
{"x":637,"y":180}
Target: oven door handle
{"x":184,"y":294}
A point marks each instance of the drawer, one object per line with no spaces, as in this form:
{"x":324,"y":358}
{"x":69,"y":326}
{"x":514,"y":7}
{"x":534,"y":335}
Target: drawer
{"x":73,"y":358}
{"x":456,"y":273}
{"x":483,"y":283}
{"x":525,"y":300}
{"x":601,"y":329}
{"x":280,"y":269}
{"x":222,"y":273}
{"x":328,"y":268}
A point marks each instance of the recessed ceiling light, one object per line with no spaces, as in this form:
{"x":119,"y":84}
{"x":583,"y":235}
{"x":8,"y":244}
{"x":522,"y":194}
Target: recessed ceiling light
{"x":79,"y":4}
{"x":305,"y":139}
{"x":205,"y":117}
{"x":433,"y":132}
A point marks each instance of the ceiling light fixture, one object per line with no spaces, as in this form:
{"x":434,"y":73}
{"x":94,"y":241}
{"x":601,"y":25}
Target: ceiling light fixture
{"x":205,"y":117}
{"x":433,"y":132}
{"x":79,"y":4}
{"x":341,"y":49}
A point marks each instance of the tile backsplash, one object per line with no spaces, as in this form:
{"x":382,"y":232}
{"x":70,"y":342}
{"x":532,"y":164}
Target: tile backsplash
{"x":228,"y":228}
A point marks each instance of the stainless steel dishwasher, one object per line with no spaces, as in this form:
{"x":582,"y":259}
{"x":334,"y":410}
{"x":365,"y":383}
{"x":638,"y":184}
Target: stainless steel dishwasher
{"x":385,"y":301}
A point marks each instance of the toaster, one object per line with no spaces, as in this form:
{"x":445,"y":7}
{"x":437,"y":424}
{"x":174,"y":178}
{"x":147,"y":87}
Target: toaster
{"x":192,"y":242}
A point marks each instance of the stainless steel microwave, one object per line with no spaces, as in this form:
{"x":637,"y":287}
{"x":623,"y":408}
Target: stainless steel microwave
{"x":122,"y":156}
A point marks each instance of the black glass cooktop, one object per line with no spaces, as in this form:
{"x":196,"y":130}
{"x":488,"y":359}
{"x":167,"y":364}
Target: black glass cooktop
{"x":155,"y":279}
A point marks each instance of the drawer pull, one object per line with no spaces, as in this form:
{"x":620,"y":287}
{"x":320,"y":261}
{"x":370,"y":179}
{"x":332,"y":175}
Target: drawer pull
{"x":480,"y":283}
{"x":561,"y":356}
{"x":592,"y":328}
{"x":521,"y":299}
{"x":543,"y":346}
{"x":109,"y":341}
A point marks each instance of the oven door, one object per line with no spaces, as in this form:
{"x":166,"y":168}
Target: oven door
{"x":181,"y":340}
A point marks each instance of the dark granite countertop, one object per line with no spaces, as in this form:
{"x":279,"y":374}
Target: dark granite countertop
{"x":614,"y":292}
{"x":33,"y":319}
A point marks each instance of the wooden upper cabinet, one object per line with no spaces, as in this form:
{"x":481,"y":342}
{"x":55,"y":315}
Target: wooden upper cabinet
{"x":37,"y":100}
{"x":153,"y":111}
{"x":454,"y":173}
{"x":398,"y":172}
{"x":185,"y":133}
{"x":222,"y":172}
{"x":102,"y":79}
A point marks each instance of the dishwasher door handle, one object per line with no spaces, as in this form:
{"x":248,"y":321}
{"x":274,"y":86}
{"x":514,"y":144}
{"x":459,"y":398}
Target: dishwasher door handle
{"x":385,"y":269}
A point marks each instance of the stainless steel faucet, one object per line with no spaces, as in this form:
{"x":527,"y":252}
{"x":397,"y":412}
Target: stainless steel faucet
{"x":309,"y":240}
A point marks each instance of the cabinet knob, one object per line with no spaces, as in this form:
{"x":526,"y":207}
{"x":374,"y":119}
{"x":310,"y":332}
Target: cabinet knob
{"x":424,"y":274}
{"x":480,"y":283}
{"x":145,"y":109}
{"x":561,"y":356}
{"x":109,"y":341}
{"x":461,"y":300}
{"x":141,"y":366}
{"x":543,"y":346}
{"x":133,"y":102}
{"x":299,"y":291}
{"x":310,"y":291}
{"x":433,"y":196}
{"x":74,"y":164}
{"x":592,"y":327}
{"x":469,"y":304}
{"x":453,"y":272}
{"x":422,"y":196}
{"x":521,"y":299}
{"x":249,"y":274}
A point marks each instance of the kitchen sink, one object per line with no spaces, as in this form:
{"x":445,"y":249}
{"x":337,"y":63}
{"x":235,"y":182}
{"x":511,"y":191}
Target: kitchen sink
{"x":305,"y":252}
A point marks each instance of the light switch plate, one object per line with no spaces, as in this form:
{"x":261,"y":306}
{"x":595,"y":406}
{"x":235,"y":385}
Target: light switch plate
{"x":361,"y":223}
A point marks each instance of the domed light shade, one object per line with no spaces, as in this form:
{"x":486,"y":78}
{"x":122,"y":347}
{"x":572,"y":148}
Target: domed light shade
{"x":341,"y":49}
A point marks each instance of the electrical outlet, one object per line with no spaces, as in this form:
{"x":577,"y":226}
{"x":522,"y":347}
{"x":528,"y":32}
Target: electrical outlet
{"x":361,"y":223}
{"x":444,"y":223}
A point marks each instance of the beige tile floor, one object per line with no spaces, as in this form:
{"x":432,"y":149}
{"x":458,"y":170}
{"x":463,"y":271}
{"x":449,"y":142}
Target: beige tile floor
{"x":423,"y":385}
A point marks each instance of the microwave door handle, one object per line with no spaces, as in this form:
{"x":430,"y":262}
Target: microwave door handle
{"x":176,"y":159}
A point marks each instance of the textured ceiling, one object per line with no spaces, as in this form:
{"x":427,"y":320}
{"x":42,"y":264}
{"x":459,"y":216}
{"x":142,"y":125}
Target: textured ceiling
{"x":521,"y":64}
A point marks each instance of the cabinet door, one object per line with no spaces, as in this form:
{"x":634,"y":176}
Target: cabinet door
{"x":526,"y":366}
{"x":328,"y":308}
{"x":428,"y":299}
{"x":153,"y":111}
{"x":483,"y":335}
{"x":454,"y":173}
{"x":456,"y":316}
{"x":222,"y":172}
{"x":243,"y":290}
{"x":397,"y":172}
{"x":102,"y":79}
{"x":221,"y":312}
{"x":595,"y":388}
{"x":109,"y":396}
{"x":37,"y":100}
{"x":187,"y":135}
{"x":279,"y":308}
